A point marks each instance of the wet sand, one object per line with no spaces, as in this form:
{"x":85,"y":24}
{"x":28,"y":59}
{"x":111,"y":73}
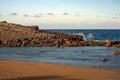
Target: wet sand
{"x":18,"y":70}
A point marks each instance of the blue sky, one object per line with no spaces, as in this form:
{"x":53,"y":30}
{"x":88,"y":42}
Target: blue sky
{"x":65,"y":14}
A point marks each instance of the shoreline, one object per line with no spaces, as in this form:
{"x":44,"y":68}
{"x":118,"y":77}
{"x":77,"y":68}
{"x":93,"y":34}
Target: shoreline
{"x":94,"y":67}
{"x":23,"y":70}
{"x":16,"y":35}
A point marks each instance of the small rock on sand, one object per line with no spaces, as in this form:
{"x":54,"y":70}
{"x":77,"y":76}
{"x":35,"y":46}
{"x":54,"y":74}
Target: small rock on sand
{"x":104,"y":59}
{"x":117,"y":52}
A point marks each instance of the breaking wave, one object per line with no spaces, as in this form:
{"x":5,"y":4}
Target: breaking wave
{"x":90,"y":36}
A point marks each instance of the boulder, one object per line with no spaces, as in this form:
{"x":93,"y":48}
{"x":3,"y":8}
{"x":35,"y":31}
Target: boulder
{"x":104,"y":59}
{"x":108,"y":43}
{"x":117,"y":52}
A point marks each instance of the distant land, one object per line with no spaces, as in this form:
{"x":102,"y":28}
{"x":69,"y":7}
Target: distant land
{"x":16,"y":35}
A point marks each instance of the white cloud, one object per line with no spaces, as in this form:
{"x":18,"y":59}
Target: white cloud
{"x":37,"y":16}
{"x":14,"y":14}
{"x":77,"y":15}
{"x":97,"y":16}
{"x":26,"y":15}
{"x":50,"y":14}
{"x":113,"y":17}
{"x":65,"y":13}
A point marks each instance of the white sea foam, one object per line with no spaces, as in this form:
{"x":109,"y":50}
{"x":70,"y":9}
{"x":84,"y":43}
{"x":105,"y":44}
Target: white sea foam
{"x":90,"y":36}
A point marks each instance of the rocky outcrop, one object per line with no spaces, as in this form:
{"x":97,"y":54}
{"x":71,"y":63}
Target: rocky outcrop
{"x":108,"y":43}
{"x":15,"y":35}
{"x":115,"y":44}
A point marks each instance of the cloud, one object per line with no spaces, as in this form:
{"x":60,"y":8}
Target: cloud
{"x":113,"y":17}
{"x":37,"y":16}
{"x":115,"y":14}
{"x":65,"y":13}
{"x":50,"y":14}
{"x":97,"y":16}
{"x":40,"y":14}
{"x":14,"y":14}
{"x":26,"y":15}
{"x":77,"y":15}
{"x":113,"y":22}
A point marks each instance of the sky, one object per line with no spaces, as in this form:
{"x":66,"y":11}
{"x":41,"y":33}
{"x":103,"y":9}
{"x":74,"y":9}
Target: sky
{"x":62,"y":14}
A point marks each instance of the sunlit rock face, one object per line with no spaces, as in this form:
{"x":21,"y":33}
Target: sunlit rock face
{"x":16,"y":35}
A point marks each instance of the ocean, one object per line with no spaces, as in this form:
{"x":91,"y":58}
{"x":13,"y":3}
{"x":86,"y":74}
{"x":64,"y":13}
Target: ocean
{"x":93,"y":34}
{"x":75,"y":56}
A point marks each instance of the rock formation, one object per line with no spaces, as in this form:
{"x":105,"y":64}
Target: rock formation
{"x":108,"y":43}
{"x":15,"y":35}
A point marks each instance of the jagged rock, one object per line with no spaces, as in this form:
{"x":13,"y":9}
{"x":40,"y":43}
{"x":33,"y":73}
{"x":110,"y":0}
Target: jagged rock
{"x":115,"y":44}
{"x":58,"y":46}
{"x":117,"y":52}
{"x":15,"y":35}
{"x":108,"y":43}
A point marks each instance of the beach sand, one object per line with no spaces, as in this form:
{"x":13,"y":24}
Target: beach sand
{"x":18,"y":70}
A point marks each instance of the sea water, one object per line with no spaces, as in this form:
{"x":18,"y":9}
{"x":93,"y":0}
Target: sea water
{"x":76,"y":56}
{"x":93,"y":34}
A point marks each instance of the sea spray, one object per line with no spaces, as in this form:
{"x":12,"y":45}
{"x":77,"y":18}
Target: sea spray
{"x":90,"y":36}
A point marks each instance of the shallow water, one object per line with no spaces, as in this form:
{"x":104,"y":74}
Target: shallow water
{"x":78,"y":56}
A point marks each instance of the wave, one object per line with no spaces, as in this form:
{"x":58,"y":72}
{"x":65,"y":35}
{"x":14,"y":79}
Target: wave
{"x":90,"y":36}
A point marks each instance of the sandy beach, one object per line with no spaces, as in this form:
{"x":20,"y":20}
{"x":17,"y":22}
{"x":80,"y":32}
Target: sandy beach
{"x":18,"y":70}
